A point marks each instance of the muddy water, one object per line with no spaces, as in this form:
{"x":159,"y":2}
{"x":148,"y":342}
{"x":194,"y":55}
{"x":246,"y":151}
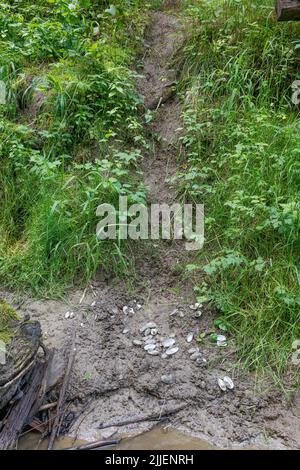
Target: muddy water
{"x":160,"y":439}
{"x":157,"y":439}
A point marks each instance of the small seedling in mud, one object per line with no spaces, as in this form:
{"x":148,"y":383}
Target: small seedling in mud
{"x":201,"y":337}
{"x":149,"y":116}
{"x":221,"y":324}
{"x":88,"y":376}
{"x":213,"y":337}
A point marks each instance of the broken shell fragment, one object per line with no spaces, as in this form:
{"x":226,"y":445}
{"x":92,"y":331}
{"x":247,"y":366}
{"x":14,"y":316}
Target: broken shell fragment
{"x":195,"y":356}
{"x":137,"y":342}
{"x":167,"y":379}
{"x":193,"y":350}
{"x":128,"y":310}
{"x":147,"y":326}
{"x":195,"y":306}
{"x":173,"y":312}
{"x":150,"y":340}
{"x":167,"y":343}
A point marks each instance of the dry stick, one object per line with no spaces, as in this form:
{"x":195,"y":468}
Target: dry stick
{"x":95,"y":445}
{"x":157,"y":417}
{"x":62,"y":393}
{"x":48,"y":406}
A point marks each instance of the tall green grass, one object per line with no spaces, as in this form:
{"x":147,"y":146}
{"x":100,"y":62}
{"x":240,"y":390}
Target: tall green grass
{"x":242,"y":145}
{"x":71,"y":105}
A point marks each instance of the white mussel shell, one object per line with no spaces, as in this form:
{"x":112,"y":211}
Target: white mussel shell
{"x":150,"y":347}
{"x":228,"y":382}
{"x":172,"y":351}
{"x":190,"y":337}
{"x":153,"y":352}
{"x":222,"y":385}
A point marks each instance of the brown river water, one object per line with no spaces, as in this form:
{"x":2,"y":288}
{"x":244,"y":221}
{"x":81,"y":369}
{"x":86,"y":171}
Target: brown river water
{"x":156,"y":439}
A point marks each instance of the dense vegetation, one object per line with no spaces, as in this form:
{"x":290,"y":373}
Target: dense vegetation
{"x":71,"y":107}
{"x":72,"y":136}
{"x":243,"y":151}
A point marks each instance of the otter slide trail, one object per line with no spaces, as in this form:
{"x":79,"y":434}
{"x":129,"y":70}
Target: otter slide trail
{"x":118,"y":389}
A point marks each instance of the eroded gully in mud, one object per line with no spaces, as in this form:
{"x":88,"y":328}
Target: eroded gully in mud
{"x":114,"y":378}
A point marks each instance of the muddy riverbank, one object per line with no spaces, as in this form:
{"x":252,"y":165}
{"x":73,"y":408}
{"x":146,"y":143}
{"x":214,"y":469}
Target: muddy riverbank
{"x":115,"y":378}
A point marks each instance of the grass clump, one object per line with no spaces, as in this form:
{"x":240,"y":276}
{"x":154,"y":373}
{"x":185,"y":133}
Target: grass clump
{"x":7,"y":315}
{"x":242,"y":146}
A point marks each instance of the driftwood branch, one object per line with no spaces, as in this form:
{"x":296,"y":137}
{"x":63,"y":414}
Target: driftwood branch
{"x":153,"y":417}
{"x":61,"y":399}
{"x":95,"y":445}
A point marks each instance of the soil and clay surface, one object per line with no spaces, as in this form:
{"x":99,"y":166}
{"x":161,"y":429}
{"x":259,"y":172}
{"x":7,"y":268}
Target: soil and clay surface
{"x":115,"y":378}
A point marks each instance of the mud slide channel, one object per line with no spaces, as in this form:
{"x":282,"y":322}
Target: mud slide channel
{"x":115,"y":379}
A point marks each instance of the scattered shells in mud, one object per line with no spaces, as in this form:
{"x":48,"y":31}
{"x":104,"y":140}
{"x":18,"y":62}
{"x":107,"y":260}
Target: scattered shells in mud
{"x":164,"y":356}
{"x":172,"y":351}
{"x":153,"y":331}
{"x":69,"y":315}
{"x":128,"y":310}
{"x":195,"y":306}
{"x":137,"y":342}
{"x":167,"y":343}
{"x":125,"y":331}
{"x":93,"y":304}
{"x":195,"y":355}
{"x":148,"y":326}
{"x":190,"y":337}
{"x":167,"y":379}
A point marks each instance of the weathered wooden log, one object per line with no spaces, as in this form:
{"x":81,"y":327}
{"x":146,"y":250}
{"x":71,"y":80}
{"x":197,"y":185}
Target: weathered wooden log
{"x":288,"y":10}
{"x":21,"y":410}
